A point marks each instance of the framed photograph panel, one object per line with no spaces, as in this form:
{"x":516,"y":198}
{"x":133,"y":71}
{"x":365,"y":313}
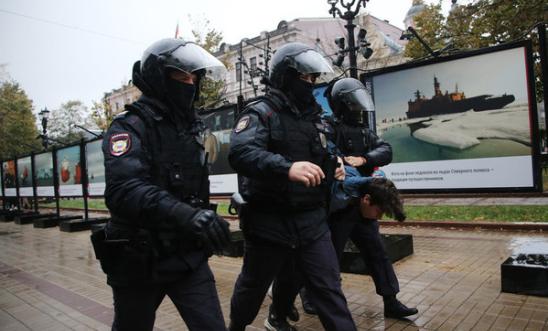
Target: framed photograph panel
{"x":461,"y":123}
{"x":69,"y":171}
{"x":8,"y":172}
{"x":24,"y":177}
{"x":44,"y":174}
{"x":95,"y":168}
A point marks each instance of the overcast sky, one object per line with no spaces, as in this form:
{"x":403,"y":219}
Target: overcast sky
{"x":61,"y":50}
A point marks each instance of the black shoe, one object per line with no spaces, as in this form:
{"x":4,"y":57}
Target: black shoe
{"x":233,"y":327}
{"x":308,"y":306}
{"x":395,"y":309}
{"x":273,"y":323}
{"x":293,"y":314}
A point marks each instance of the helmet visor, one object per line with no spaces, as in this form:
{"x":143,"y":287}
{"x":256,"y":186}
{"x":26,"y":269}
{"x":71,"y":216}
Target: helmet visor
{"x":312,"y":62}
{"x":191,"y":57}
{"x":359,"y":100}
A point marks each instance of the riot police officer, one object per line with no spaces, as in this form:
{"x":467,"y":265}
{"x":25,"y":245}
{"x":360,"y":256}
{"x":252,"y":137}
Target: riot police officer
{"x":364,"y":150}
{"x":162,"y":230}
{"x":279,"y":147}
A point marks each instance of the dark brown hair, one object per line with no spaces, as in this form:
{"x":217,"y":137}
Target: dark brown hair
{"x":384,"y":194}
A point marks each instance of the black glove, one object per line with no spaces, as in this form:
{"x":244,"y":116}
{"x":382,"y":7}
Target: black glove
{"x":211,"y":229}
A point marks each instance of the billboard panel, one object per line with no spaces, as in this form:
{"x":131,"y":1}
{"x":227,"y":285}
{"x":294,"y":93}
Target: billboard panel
{"x":44,"y":174}
{"x":69,"y":171}
{"x":460,"y":124}
{"x":216,"y":138}
{"x":8,"y":168}
{"x":95,"y":168}
{"x":24,"y":175}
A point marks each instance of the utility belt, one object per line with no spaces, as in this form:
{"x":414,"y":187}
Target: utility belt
{"x":133,"y":252}
{"x":124,"y":251}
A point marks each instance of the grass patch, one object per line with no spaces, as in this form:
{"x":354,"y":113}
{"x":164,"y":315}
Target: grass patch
{"x":544,"y":180}
{"x":519,"y":213}
{"x":78,"y":203}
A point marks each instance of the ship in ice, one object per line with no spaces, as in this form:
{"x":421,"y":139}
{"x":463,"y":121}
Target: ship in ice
{"x":454,"y":102}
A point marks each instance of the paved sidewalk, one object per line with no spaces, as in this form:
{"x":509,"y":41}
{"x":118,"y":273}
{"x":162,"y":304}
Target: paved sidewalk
{"x":50,"y":280}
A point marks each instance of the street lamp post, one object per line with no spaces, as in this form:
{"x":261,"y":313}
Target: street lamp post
{"x":349,"y":15}
{"x":44,"y":115}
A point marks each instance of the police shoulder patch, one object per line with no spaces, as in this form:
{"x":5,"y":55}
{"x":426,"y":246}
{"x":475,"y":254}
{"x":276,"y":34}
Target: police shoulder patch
{"x":120,"y":144}
{"x":242,"y":124}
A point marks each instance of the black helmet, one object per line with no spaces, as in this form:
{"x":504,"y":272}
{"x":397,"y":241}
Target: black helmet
{"x":299,"y":57}
{"x":348,"y":99}
{"x":150,"y":74}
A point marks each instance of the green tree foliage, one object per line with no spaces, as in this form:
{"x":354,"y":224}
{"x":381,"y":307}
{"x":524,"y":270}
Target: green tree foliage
{"x":63,"y":122}
{"x":101,"y":114}
{"x":18,"y":132}
{"x":429,"y":25}
{"x":480,"y":23}
{"x":212,"y":91}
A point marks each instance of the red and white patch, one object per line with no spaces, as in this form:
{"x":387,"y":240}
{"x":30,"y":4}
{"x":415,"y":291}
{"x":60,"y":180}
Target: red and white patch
{"x":120,"y":144}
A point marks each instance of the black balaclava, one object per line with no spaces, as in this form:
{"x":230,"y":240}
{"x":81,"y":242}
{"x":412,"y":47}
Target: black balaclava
{"x":180,"y":94}
{"x":299,"y":91}
{"x":351,"y":116}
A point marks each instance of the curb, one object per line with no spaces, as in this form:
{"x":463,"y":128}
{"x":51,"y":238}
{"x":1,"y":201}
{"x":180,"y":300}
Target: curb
{"x":540,"y":227}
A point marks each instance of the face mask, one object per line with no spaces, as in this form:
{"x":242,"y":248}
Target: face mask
{"x":181,"y":95}
{"x":302,"y":91}
{"x":352,"y":116}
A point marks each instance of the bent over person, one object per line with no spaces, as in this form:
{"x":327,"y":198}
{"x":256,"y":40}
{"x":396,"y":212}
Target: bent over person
{"x":162,"y":230}
{"x":279,"y":148}
{"x":365,"y":151}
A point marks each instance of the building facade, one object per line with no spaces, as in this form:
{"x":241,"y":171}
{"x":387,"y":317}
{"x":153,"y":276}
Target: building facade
{"x":247,"y":61}
{"x":118,"y":98}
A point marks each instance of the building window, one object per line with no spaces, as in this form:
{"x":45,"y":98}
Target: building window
{"x":238,"y":71}
{"x":253,"y":66}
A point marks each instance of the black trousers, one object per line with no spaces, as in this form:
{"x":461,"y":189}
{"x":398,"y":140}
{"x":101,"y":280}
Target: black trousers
{"x":194,"y":295}
{"x":320,"y":271}
{"x":364,"y":233}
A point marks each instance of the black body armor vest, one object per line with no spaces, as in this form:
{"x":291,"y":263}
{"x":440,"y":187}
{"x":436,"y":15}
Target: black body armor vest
{"x":178,"y":159}
{"x":297,"y":139}
{"x":354,"y":141}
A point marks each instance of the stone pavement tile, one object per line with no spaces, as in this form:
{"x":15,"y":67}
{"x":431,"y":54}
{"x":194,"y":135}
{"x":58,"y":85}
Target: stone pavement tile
{"x":535,"y":326}
{"x":509,"y":311}
{"x":501,"y":323}
{"x":517,"y":324}
{"x":447,"y":278}
{"x":438,"y":319}
{"x":484,"y":322}
{"x":457,"y":317}
{"x":540,"y":316}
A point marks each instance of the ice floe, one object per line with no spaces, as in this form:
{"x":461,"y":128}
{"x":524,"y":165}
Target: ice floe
{"x":466,"y":129}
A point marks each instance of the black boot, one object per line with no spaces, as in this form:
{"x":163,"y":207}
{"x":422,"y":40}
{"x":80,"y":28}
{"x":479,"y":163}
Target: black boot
{"x":275,"y":323}
{"x":308,"y":306}
{"x":395,"y":309}
{"x":293,"y":314}
{"x":234,"y":327}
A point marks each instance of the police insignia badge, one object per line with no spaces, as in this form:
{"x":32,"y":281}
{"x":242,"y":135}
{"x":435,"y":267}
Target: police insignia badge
{"x":119,"y":144}
{"x":242,"y":124}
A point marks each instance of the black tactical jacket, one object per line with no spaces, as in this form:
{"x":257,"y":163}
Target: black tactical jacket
{"x":268,"y":137}
{"x":359,"y":141}
{"x":155,"y":178}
